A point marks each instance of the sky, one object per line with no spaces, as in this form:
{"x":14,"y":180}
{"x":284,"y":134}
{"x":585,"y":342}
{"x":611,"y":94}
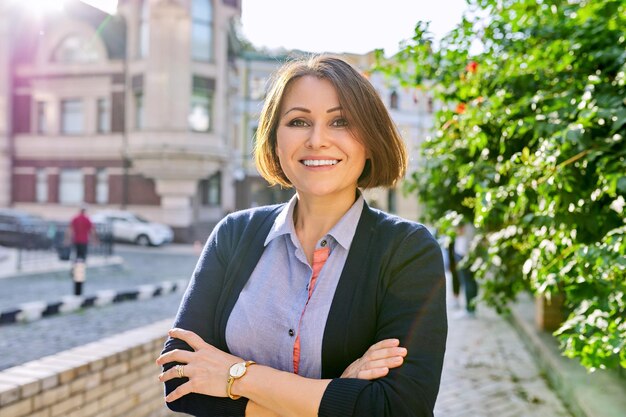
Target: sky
{"x":42,"y":6}
{"x":356,"y":26}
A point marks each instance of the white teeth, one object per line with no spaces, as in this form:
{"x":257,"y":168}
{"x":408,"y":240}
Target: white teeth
{"x":319,"y":162}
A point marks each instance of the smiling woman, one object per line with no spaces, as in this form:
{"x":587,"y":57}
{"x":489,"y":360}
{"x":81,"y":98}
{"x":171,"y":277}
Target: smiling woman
{"x":321,"y":306}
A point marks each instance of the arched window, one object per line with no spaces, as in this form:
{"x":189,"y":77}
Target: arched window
{"x":393,"y":100}
{"x":202,"y":30}
{"x":76,"y":48}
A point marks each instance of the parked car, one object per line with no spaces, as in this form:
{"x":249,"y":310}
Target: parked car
{"x":130,"y":227}
{"x":19,"y":229}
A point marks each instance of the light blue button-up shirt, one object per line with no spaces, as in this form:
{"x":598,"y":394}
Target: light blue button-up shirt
{"x":264,"y":322}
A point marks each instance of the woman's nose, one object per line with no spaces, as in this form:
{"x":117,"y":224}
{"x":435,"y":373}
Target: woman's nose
{"x":318,"y":138}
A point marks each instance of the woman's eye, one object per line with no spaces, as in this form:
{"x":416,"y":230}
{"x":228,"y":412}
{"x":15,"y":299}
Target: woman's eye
{"x":340,"y":122}
{"x":297,"y":123}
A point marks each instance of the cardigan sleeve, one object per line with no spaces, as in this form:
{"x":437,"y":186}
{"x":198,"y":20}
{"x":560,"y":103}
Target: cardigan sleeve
{"x":413,"y":309}
{"x":197,"y":313}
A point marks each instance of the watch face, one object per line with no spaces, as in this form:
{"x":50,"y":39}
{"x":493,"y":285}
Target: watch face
{"x":237,"y":370}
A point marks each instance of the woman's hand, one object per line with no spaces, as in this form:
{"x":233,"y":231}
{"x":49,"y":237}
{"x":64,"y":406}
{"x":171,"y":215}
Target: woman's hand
{"x":377,"y":361}
{"x":206,"y":367}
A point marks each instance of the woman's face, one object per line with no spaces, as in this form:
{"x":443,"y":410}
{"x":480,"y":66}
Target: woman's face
{"x":315,"y":146}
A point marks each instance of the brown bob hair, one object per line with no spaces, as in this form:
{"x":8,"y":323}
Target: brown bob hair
{"x":368,"y":120}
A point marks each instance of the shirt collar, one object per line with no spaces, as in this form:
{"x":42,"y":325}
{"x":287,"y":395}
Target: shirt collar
{"x":342,"y":232}
{"x":283,"y":224}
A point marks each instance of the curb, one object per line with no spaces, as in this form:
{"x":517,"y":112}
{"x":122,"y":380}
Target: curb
{"x":36,"y":310}
{"x":598,"y":394}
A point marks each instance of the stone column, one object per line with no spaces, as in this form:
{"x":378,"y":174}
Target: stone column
{"x":167,"y":82}
{"x":176,"y":197}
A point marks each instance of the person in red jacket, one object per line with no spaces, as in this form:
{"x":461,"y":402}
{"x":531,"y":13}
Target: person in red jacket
{"x":81,"y":230}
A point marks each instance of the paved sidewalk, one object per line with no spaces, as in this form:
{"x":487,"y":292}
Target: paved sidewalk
{"x":489,"y":373}
{"x":598,"y":394}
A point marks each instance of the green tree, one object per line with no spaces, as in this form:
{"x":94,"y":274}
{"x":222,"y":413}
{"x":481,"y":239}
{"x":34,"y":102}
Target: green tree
{"x":529,"y":145}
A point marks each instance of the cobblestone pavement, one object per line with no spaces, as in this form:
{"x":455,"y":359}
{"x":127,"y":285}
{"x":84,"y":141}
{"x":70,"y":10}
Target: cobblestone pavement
{"x":21,"y":343}
{"x":489,"y":373}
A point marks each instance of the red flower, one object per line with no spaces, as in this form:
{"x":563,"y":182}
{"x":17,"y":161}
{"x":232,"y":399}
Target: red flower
{"x":460,"y":108}
{"x":472,"y":67}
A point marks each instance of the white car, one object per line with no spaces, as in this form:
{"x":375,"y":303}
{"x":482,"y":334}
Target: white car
{"x":130,"y":227}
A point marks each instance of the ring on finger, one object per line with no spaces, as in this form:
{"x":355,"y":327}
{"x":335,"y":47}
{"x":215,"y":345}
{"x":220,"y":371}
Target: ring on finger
{"x":180,"y":369}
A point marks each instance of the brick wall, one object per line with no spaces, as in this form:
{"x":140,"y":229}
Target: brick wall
{"x":113,"y":377}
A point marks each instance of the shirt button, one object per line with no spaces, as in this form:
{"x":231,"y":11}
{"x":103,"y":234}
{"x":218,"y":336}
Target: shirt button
{"x":323,"y":243}
{"x":291,"y":332}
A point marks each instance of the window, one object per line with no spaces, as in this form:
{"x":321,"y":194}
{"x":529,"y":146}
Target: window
{"x":42,"y":125}
{"x":102,"y":186}
{"x":211,"y":190}
{"x":139,"y":110}
{"x":201,"y":30}
{"x":201,"y":106}
{"x":144,"y":29}
{"x":71,"y":189}
{"x":104,"y":116}
{"x":41,"y":187}
{"x":72,"y":117}
{"x":257,"y":88}
{"x":393,"y":100}
{"x":76,"y":49}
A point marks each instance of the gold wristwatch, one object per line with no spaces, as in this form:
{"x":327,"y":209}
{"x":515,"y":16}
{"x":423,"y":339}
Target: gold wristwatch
{"x":237,"y":371}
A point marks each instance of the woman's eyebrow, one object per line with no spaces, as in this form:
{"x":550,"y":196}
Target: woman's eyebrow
{"x":303,"y":109}
{"x":297,"y":108}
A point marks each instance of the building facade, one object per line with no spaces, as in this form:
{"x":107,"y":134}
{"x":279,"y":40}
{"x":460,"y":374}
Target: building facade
{"x":125,"y":111}
{"x":153,"y":109}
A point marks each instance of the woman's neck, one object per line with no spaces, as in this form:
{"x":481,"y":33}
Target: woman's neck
{"x":315,"y":216}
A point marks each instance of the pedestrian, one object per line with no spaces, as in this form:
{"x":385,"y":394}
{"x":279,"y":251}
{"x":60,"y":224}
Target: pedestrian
{"x":464,"y":235}
{"x":80,"y":230}
{"x":452,"y":257}
{"x":323,"y":305}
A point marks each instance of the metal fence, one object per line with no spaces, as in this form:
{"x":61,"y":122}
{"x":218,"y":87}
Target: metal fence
{"x":40,"y":244}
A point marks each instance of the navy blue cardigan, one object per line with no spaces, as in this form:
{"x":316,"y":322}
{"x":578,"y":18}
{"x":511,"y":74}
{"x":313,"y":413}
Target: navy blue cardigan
{"x":392,"y":286}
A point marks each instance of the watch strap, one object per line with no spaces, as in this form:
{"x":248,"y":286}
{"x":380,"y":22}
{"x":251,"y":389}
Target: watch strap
{"x":231,"y":380}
